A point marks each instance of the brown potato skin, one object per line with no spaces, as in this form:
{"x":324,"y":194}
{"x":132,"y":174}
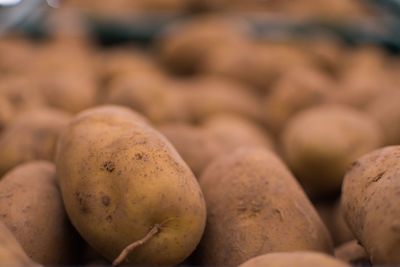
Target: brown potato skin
{"x":119,"y":178}
{"x":32,"y":208}
{"x":31,"y":136}
{"x":370,"y":197}
{"x":294,"y":259}
{"x":256,"y":206}
{"x":320,"y":143}
{"x":11,"y":252}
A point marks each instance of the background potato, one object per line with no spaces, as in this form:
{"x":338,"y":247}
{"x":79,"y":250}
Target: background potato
{"x":6,"y":113}
{"x":294,"y":259}
{"x":294,"y":91}
{"x":32,"y":208}
{"x":32,"y":135}
{"x":370,"y":197}
{"x":353,"y":253}
{"x":11,"y":252}
{"x":385,"y":110}
{"x":254,"y":203}
{"x":122,"y":181}
{"x":320,"y":143}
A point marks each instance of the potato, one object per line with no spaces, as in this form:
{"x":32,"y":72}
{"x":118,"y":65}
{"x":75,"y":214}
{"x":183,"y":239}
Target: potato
{"x":32,"y":208}
{"x":353,"y":253}
{"x":386,"y":110}
{"x":234,"y":131}
{"x":126,"y":189}
{"x":370,"y":197}
{"x":294,"y":259}
{"x":206,"y":96}
{"x":21,"y":93}
{"x":184,"y":47}
{"x":321,"y":142}
{"x":32,"y":135}
{"x":196,"y":145}
{"x":219,"y":135}
{"x":6,"y":113}
{"x":255,"y":206}
{"x":14,"y":54}
{"x":68,"y":90}
{"x":153,"y":95}
{"x":332,"y":216}
{"x":11,"y":252}
{"x":294,"y":91}
{"x":255,"y":64}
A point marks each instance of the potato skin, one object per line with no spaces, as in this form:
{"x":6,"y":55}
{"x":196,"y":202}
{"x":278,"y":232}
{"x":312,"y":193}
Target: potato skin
{"x":370,"y":197}
{"x":255,"y":206}
{"x":11,"y":252}
{"x":31,"y":136}
{"x":320,"y":143}
{"x":119,"y":178}
{"x":294,"y":259}
{"x":32,"y":208}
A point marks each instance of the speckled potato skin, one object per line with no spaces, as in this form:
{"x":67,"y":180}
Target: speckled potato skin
{"x":320,"y":143}
{"x":294,"y":259}
{"x":370,"y":199}
{"x":11,"y":252}
{"x":119,"y":178}
{"x":31,"y":136}
{"x":32,"y":208}
{"x":255,"y":206}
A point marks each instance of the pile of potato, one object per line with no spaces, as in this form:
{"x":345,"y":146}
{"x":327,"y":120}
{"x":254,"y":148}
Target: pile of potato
{"x":208,"y":148}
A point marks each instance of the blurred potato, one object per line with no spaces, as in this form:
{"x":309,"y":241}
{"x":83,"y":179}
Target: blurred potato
{"x":294,"y":91}
{"x":206,"y":96}
{"x":30,"y":136}
{"x":385,"y":109}
{"x":158,"y":98}
{"x":6,"y":113}
{"x":352,"y":252}
{"x":184,"y":47}
{"x":15,"y":52}
{"x":321,"y":142}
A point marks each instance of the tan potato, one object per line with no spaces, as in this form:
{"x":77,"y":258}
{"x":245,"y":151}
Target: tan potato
{"x":353,"y":253}
{"x":219,"y":135}
{"x":255,"y":206}
{"x":14,"y":54}
{"x":320,"y":143}
{"x":385,"y":110}
{"x":206,"y":96}
{"x":332,"y":215}
{"x":233,"y":132}
{"x":6,"y":113}
{"x":294,"y":259}
{"x":370,"y":197}
{"x":32,"y":135}
{"x":295,"y":91}
{"x":151,"y":94}
{"x":126,"y":189}
{"x":11,"y":252}
{"x":184,"y":47}
{"x":196,"y":145}
{"x":255,"y":64}
{"x":32,"y":208}
{"x":21,"y":93}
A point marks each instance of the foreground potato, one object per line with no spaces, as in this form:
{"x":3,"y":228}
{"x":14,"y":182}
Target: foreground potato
{"x":32,"y":135}
{"x":294,"y":259}
{"x":370,"y":202}
{"x":32,"y":208}
{"x":320,"y":143}
{"x":11,"y":252}
{"x":255,"y":206}
{"x":127,"y":190}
